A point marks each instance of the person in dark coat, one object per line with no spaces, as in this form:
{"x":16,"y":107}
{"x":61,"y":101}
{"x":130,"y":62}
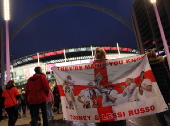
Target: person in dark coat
{"x":57,"y":99}
{"x":163,"y":80}
{"x":1,"y":103}
{"x":23,"y":102}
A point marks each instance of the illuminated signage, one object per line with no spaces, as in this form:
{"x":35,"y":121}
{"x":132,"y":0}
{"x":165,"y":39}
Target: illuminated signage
{"x":46,"y":54}
{"x":59,"y":52}
{"x":111,"y":57}
{"x":50,"y":53}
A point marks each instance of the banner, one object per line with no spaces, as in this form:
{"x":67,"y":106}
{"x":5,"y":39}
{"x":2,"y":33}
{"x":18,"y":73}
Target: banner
{"x":109,"y":90}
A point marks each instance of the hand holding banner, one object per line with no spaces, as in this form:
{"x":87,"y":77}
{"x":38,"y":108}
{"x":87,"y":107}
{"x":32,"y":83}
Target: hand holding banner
{"x":109,"y":90}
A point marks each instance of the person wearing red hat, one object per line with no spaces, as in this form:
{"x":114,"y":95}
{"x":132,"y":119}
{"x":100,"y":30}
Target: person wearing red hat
{"x":110,"y":96}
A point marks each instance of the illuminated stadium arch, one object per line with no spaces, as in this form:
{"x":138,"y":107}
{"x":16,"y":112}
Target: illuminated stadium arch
{"x":69,"y":3}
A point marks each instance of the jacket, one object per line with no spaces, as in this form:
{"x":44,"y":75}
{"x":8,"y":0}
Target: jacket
{"x":50,"y":97}
{"x":162,"y":76}
{"x":37,"y":89}
{"x":56,"y":95}
{"x":23,"y":98}
{"x":10,"y":96}
{"x":1,"y":99}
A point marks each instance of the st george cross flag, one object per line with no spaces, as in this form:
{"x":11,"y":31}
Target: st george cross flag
{"x":109,"y":90}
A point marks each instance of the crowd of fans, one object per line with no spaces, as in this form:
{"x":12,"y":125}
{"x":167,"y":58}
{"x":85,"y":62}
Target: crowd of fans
{"x":38,"y":95}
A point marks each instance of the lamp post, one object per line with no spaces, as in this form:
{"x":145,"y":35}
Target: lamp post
{"x":38,"y":59}
{"x":7,"y":18}
{"x":166,"y":48}
{"x":92,"y":52}
{"x":118,"y":50}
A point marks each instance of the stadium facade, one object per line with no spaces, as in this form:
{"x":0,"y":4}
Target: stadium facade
{"x":23,"y":68}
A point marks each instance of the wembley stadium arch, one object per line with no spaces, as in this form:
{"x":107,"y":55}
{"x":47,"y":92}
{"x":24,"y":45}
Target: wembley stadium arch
{"x":69,"y":3}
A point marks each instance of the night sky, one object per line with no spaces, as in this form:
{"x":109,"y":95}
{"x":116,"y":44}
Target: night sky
{"x":66,"y":27}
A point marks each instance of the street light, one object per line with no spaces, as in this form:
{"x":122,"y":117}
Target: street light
{"x":153,"y":1}
{"x":166,"y":48}
{"x":7,"y":18}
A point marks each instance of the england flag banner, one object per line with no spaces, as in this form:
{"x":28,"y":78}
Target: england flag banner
{"x":109,"y":90}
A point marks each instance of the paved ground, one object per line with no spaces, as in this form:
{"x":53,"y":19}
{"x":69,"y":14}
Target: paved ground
{"x":143,"y":121}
